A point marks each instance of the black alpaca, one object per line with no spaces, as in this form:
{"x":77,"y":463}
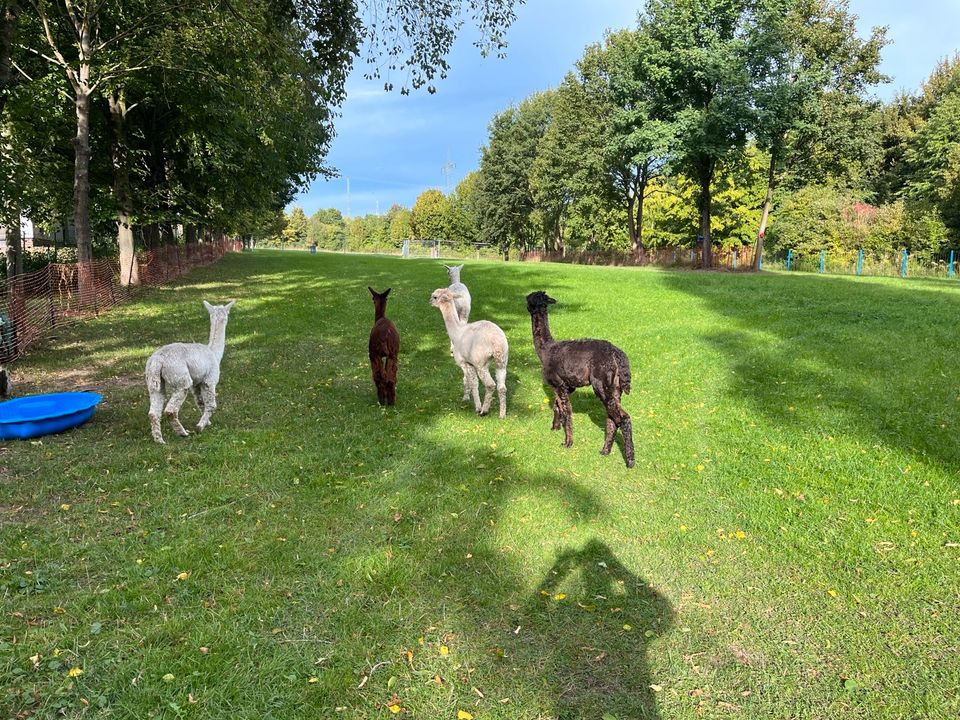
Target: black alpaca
{"x":384,"y":346}
{"x":570,"y":364}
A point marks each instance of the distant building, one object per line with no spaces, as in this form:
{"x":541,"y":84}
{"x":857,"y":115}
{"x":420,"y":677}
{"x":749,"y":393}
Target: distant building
{"x":32,"y":236}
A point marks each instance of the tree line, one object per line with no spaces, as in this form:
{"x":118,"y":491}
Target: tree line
{"x":716,"y":124}
{"x":131,"y":119}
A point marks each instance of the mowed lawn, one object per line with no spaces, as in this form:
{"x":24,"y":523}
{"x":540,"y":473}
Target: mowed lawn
{"x":788,"y":545}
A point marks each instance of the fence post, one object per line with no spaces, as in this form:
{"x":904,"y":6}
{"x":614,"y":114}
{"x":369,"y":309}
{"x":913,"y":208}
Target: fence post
{"x":950,"y":269}
{"x":760,"y":262}
{"x":789,"y":258}
{"x":821,"y":260}
{"x":860,"y":262}
{"x":734,"y":259}
{"x":903,"y":265}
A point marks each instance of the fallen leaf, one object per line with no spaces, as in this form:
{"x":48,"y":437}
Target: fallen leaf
{"x":394,"y":708}
{"x":75,"y":672}
{"x":464,"y":715}
{"x":169,"y":677}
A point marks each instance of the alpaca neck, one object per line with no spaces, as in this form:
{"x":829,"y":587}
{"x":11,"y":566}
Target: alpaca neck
{"x":453,"y":322}
{"x":379,"y":311}
{"x":218,"y":334}
{"x":542,"y":339}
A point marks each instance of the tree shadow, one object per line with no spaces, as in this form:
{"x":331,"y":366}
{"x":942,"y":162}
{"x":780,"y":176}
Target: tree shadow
{"x":840,"y":355}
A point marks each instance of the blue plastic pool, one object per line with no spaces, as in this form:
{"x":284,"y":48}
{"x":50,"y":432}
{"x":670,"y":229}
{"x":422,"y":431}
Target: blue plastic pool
{"x":37,"y":415}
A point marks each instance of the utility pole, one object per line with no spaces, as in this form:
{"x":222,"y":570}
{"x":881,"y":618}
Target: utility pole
{"x":446,"y":169}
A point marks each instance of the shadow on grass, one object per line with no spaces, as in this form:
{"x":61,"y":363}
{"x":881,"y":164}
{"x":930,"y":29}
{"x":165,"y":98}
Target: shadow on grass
{"x":874,"y":359}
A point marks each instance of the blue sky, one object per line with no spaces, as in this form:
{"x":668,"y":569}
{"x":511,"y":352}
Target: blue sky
{"x":393,"y":147}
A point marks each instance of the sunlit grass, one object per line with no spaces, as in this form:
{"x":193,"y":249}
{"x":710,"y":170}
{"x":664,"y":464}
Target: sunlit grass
{"x":786,"y":546}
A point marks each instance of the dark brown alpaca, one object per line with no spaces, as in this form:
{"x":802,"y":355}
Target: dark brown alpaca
{"x":570,"y":364}
{"x":384,"y":346}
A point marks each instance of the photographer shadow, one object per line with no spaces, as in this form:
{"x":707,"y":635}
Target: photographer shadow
{"x":591,"y":624}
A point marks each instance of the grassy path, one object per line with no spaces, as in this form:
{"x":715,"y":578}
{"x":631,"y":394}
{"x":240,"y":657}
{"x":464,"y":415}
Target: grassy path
{"x":787,"y":546}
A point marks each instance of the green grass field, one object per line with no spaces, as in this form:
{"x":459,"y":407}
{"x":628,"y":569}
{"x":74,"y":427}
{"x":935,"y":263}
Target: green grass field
{"x":786,"y":547}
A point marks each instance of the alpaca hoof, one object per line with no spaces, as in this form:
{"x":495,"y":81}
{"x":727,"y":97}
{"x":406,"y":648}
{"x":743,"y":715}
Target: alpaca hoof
{"x":630,"y":463}
{"x":183,"y":432}
{"x":159,"y":440}
{"x":481,"y":412}
{"x":567,"y":444}
{"x":605,"y":451}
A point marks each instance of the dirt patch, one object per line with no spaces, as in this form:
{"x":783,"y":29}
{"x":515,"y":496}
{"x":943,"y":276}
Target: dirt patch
{"x":71,"y":379}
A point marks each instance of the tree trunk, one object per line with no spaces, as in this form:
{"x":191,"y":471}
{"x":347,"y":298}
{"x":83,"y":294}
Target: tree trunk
{"x":767,"y":205}
{"x":706,"y":178}
{"x":631,"y":223}
{"x":641,"y":191}
{"x":8,"y":16}
{"x":14,"y":248}
{"x":190,"y":234}
{"x":81,"y":197}
{"x":129,"y":270}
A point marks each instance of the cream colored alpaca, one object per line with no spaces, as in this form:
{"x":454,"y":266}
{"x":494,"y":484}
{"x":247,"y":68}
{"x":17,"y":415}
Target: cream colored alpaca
{"x":474,"y":346}
{"x":178,"y":368}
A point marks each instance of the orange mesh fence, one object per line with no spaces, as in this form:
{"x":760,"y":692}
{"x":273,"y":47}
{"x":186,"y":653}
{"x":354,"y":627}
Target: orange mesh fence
{"x":37,"y":303}
{"x":725,"y":259}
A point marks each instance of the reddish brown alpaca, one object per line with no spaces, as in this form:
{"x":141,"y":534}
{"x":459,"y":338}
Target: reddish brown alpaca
{"x":384,"y":346}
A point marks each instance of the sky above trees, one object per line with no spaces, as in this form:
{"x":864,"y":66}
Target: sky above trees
{"x":392,"y":147}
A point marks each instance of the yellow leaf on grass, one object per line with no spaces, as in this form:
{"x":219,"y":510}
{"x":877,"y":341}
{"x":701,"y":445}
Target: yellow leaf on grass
{"x":444,"y":650}
{"x":464,"y":715}
{"x":65,"y":507}
{"x":169,"y":677}
{"x":559,"y":596}
{"x":75,"y":672}
{"x":394,"y":708}
{"x":832,"y":593}
{"x":183,"y":576}
{"x":313,"y":680}
{"x":740,"y":534}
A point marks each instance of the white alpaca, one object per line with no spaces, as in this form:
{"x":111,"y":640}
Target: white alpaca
{"x":182,"y":367}
{"x":474,"y":345}
{"x":461,"y":300}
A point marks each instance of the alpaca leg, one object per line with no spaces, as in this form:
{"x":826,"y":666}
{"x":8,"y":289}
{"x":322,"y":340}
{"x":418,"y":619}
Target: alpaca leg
{"x":466,"y":383}
{"x":566,"y":415}
{"x":501,"y":374}
{"x":198,"y":397}
{"x":610,"y":400}
{"x":376,"y":370}
{"x":470,"y":382}
{"x":489,"y":386}
{"x":618,"y":418}
{"x":156,"y":408}
{"x":209,"y":395}
{"x":557,"y":415}
{"x":172,"y":411}
{"x":390,"y":380}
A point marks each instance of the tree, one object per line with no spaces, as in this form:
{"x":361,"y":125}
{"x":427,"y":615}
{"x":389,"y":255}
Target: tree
{"x":304,"y":48}
{"x":400,"y":228}
{"x":462,"y":221}
{"x":817,"y":69}
{"x":295,"y":232}
{"x":932,"y":160}
{"x":702,"y":63}
{"x":430,"y":216}
{"x":505,"y":201}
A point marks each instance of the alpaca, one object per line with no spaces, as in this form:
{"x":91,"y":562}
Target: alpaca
{"x":461,"y":300}
{"x":474,"y":345}
{"x":570,"y":364}
{"x":384,"y":346}
{"x":182,"y":367}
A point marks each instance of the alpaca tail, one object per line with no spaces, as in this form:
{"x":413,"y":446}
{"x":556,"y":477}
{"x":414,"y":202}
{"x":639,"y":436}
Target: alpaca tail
{"x":153,"y":374}
{"x":623,"y":372}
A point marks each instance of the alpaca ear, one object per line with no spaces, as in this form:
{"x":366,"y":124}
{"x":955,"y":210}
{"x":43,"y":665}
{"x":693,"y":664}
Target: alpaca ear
{"x":372,"y":291}
{"x":231,"y":304}
{"x":550,"y":300}
{"x":385,"y":292}
{"x":207,"y":305}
